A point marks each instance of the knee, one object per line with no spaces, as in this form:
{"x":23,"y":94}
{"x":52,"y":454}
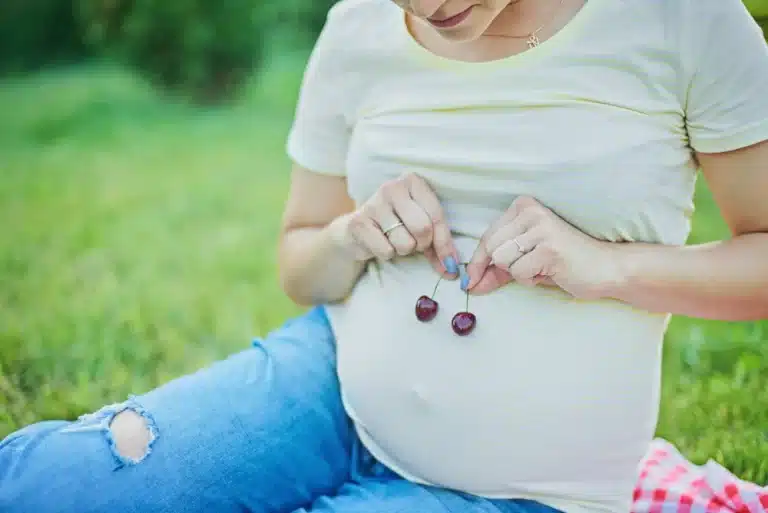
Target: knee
{"x":131,"y":436}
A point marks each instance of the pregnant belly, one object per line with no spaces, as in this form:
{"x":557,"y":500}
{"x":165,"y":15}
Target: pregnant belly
{"x":549,"y":396}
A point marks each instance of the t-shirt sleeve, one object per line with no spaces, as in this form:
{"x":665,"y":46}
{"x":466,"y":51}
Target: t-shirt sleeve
{"x":319,"y":134}
{"x":727,"y":87}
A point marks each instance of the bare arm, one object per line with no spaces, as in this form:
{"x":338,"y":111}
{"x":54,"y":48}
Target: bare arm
{"x":325,"y":241}
{"x":314,"y":264}
{"x":725,"y":280}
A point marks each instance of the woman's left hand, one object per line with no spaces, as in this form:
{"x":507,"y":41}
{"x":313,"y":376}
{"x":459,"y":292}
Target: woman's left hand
{"x":532,"y":246}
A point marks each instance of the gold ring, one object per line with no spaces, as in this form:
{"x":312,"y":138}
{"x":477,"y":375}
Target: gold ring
{"x":396,"y":225}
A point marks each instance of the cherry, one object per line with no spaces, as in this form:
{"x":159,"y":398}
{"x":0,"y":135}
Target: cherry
{"x":464,"y":322}
{"x":426,"y":307}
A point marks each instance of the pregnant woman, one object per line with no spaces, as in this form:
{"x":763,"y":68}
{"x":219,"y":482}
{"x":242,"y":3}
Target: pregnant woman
{"x":488,"y":214}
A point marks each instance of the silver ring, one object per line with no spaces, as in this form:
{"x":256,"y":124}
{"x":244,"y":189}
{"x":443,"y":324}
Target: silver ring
{"x":396,"y":225}
{"x":519,"y":246}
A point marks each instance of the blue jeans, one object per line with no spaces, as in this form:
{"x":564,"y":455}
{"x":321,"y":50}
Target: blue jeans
{"x":261,"y":431}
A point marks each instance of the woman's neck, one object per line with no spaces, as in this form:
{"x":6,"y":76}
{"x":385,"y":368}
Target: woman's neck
{"x":524,"y":17}
{"x":507,"y":35}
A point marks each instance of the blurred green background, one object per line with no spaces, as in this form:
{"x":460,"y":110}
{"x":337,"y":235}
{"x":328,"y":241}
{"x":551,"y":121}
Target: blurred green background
{"x":141,"y":186}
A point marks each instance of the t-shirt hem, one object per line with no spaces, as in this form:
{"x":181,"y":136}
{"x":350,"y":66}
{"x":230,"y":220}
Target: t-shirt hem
{"x":741,"y":139}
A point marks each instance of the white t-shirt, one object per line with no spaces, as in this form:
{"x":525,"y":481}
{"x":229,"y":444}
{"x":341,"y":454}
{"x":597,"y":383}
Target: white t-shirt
{"x":550,"y":398}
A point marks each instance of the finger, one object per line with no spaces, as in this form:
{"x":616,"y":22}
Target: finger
{"x":515,"y":248}
{"x":512,"y":228}
{"x":494,"y":278}
{"x":478,"y":264}
{"x":481,"y":258}
{"x":415,"y":218}
{"x":437,"y":265}
{"x":442,"y":240}
{"x":368,"y":235}
{"x":360,"y":252}
{"x":523,"y":203}
{"x":527,"y":209}
{"x":399,"y":237}
{"x":529,"y":269}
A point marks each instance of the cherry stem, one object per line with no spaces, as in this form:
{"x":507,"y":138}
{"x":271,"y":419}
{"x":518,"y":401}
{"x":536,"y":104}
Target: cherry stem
{"x":466,"y":306}
{"x":437,"y":285}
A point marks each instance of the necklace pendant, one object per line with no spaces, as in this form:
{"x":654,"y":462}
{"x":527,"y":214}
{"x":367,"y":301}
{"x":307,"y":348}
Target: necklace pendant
{"x":533,"y":41}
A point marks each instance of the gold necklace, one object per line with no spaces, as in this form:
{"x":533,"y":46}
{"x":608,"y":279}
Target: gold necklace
{"x":532,"y":38}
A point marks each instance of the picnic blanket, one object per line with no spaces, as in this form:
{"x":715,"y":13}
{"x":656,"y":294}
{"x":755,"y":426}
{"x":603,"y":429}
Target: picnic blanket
{"x":669,"y":483}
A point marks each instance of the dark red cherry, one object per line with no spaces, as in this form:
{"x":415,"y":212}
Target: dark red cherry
{"x":463,"y":323}
{"x":426,"y":309}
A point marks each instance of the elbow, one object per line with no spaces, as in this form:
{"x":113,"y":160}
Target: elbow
{"x":293,"y":287}
{"x":298,"y":291}
{"x":289,"y":277}
{"x":296,"y":295}
{"x":298,"y":288}
{"x":297,"y":260}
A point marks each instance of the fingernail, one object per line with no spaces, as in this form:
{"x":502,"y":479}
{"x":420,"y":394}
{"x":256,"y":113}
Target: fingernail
{"x":450,"y":265}
{"x":464,"y":280}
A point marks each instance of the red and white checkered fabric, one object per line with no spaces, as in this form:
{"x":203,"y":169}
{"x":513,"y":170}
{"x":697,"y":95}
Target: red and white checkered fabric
{"x":669,"y":483}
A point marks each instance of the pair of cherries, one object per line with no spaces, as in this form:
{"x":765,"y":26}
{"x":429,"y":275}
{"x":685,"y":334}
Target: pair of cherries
{"x":463,"y":323}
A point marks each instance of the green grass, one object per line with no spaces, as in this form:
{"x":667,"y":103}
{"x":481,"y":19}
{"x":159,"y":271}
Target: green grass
{"x":138,"y":243}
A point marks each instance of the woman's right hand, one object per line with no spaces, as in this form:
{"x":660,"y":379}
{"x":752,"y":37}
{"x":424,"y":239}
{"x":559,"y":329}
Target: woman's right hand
{"x":402,"y":218}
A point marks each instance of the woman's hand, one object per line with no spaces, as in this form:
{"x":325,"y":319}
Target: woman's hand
{"x":531,"y":245}
{"x":402,"y":218}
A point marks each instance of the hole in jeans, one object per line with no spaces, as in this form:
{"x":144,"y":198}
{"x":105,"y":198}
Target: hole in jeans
{"x":129,"y":429}
{"x":132,"y":435}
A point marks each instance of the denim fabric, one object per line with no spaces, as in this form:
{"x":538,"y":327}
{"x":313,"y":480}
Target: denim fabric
{"x":261,"y":431}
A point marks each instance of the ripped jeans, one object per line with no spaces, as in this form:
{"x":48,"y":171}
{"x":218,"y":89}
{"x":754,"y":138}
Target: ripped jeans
{"x":261,"y":431}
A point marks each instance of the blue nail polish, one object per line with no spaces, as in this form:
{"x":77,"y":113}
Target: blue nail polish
{"x":464,"y":281}
{"x":450,"y":265}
